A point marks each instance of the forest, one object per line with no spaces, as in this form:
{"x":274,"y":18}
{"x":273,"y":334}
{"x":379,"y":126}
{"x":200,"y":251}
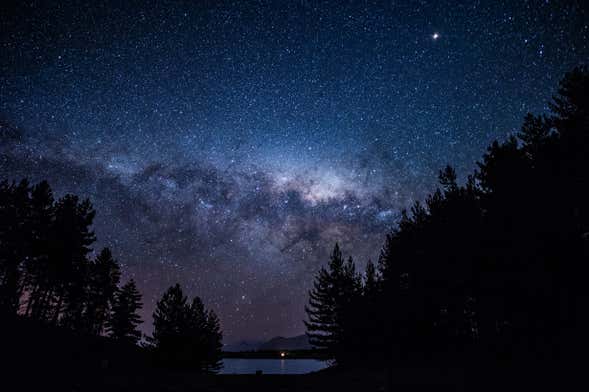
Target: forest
{"x":490,"y":268}
{"x":48,"y":279}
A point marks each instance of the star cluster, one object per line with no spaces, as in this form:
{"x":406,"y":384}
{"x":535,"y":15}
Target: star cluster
{"x":228,"y":145}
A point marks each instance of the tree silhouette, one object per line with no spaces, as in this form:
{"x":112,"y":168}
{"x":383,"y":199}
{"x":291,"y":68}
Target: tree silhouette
{"x":14,"y":242}
{"x":38,"y":268}
{"x":212,"y":362}
{"x":186,"y":335}
{"x":204,"y":337}
{"x":169,"y":322}
{"x":104,"y":276}
{"x":322,"y":326}
{"x":124,"y":319}
{"x":332,"y":302}
{"x":72,"y":237}
{"x":371,"y":287}
{"x":370,"y":319}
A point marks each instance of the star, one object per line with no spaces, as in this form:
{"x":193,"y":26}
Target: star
{"x":435,"y":36}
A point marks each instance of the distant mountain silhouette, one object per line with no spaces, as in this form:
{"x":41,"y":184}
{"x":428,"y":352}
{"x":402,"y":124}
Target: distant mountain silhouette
{"x":300,"y":342}
{"x":243,"y":345}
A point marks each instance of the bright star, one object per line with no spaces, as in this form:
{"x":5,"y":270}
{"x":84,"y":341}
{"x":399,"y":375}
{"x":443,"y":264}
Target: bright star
{"x":435,"y":36}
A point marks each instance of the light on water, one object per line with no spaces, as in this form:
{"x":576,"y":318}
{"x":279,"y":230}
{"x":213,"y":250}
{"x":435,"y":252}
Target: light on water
{"x":271,"y":366}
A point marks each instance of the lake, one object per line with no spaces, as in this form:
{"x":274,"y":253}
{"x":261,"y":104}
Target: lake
{"x":271,"y":366}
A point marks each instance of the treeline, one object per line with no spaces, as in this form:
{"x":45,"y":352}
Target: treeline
{"x":47,"y":276}
{"x":495,"y":267}
{"x":46,"y":273}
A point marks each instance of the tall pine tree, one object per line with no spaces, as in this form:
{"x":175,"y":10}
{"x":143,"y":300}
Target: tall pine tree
{"x":124,"y":318}
{"x":72,"y":237}
{"x":335,"y":292}
{"x":103,"y":281}
{"x":38,"y":281}
{"x":186,"y":335}
{"x":15,"y":242}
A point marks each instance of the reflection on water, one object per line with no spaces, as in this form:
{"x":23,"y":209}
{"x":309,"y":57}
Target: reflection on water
{"x":271,"y":366}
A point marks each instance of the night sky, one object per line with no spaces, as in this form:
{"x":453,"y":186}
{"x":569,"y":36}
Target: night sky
{"x":228,"y":145}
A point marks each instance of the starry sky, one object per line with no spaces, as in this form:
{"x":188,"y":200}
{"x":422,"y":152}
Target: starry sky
{"x":228,"y":145}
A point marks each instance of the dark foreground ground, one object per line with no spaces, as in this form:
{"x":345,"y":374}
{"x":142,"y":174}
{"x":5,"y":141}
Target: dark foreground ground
{"x":37,"y":358}
{"x":405,"y":380}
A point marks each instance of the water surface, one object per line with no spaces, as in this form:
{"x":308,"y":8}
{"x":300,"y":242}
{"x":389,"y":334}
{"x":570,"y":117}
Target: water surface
{"x":271,"y":366}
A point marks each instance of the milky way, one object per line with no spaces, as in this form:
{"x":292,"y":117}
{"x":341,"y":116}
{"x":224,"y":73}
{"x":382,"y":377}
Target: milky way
{"x":228,"y":146}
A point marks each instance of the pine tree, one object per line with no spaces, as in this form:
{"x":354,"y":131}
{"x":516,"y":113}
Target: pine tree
{"x":124,"y":318}
{"x":330,"y":313}
{"x":72,"y":237}
{"x":186,"y":335}
{"x":170,"y":316}
{"x":38,"y":268}
{"x":204,"y":337}
{"x":371,"y":286}
{"x":103,"y":281}
{"x":15,"y":242}
{"x":213,"y":360}
{"x":322,"y":326}
{"x":370,"y":315}
{"x":349,"y":303}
